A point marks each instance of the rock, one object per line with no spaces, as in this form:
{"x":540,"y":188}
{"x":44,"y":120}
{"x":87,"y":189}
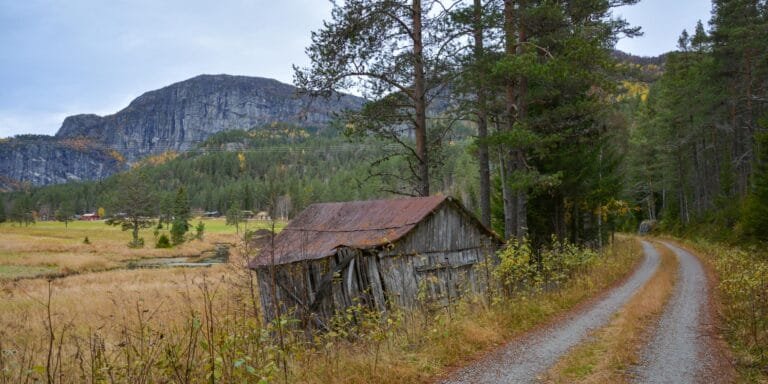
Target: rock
{"x":43,"y":160}
{"x":181,"y":115}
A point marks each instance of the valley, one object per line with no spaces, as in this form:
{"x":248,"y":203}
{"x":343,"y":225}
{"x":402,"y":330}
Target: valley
{"x":463,"y":191}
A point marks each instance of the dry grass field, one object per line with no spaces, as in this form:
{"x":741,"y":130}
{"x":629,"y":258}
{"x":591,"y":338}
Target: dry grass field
{"x":50,"y":248}
{"x":51,"y":281}
{"x":92,"y":286}
{"x":186,"y":324}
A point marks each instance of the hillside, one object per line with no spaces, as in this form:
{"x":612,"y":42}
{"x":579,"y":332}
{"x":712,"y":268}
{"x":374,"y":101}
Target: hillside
{"x":174,"y":118}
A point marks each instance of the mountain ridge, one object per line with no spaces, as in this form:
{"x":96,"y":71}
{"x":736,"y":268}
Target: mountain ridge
{"x":173,"y":118}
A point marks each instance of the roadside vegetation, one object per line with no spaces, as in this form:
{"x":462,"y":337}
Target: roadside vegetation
{"x":742,"y":303}
{"x":203,"y":325}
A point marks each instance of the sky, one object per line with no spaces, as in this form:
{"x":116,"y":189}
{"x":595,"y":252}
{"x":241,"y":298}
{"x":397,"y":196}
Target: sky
{"x":60,"y":58}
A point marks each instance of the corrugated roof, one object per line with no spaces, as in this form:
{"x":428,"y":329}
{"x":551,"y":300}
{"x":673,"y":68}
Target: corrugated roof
{"x":321,"y":228}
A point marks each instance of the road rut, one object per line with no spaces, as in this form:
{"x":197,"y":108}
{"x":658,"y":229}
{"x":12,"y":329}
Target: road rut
{"x":524,"y":359}
{"x":677,"y":352}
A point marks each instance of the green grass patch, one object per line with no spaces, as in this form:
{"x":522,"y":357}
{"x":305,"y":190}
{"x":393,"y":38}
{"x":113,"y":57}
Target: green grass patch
{"x":10,"y":272}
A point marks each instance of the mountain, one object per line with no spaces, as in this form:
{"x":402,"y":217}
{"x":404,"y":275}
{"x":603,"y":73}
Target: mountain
{"x":173,"y":118}
{"x":44,"y":160}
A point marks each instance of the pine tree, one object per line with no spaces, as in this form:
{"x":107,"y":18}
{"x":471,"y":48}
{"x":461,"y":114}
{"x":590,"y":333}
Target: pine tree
{"x":234,"y":215}
{"x":133,"y":204}
{"x":755,"y":211}
{"x":65,"y":212}
{"x":3,"y":216}
{"x":394,"y":52}
{"x":556,"y":70}
{"x":181,"y":213}
{"x":22,"y":211}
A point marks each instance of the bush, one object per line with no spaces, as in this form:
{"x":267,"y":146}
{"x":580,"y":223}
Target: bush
{"x":199,"y":230}
{"x":520,"y":268}
{"x":163,"y":242}
{"x":744,"y":291}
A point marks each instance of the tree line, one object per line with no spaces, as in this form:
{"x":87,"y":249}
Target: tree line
{"x":698,"y":145}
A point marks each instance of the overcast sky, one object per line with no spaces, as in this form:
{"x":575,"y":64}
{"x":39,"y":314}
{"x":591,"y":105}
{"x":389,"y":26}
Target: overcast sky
{"x":59,"y":58}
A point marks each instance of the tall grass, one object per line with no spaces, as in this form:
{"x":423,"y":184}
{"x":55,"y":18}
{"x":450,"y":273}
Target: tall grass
{"x":209,"y":332}
{"x":742,"y":293}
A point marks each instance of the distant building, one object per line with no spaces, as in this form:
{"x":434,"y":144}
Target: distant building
{"x":263,"y":216}
{"x":212,"y":214}
{"x":90,"y":217}
{"x":378,"y":253}
{"x":196,"y":212}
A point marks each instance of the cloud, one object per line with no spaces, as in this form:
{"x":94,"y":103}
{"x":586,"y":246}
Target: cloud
{"x":12,"y":123}
{"x":91,"y":56}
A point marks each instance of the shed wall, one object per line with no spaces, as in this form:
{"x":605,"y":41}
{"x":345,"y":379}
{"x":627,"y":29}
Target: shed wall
{"x":437,"y":262}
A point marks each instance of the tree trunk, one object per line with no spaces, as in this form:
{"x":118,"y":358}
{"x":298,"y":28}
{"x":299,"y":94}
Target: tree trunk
{"x":482,"y":121}
{"x":508,"y":157}
{"x":135,"y":231}
{"x":522,"y":109}
{"x":420,"y":102}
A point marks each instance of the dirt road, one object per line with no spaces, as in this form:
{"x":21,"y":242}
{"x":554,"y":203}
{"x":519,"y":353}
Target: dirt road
{"x":677,"y":352}
{"x":522,"y":360}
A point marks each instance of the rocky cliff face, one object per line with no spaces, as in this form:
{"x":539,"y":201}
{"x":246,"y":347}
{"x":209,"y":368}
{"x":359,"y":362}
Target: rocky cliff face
{"x":181,"y":115}
{"x":43,"y":160}
{"x":176,"y":117}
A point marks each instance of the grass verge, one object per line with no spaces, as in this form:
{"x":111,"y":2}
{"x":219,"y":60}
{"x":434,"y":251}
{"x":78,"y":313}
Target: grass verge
{"x":615,"y":348}
{"x":740,"y":303}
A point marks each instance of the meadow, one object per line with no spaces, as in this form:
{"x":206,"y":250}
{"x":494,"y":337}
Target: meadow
{"x":190,"y":324}
{"x":51,"y":249}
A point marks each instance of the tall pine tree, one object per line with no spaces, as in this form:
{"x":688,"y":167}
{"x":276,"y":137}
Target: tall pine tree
{"x":181,"y":214}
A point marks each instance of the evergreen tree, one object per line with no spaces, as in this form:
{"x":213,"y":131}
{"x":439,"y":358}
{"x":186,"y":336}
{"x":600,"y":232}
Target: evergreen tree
{"x":133,"y":205}
{"x":234,"y":215}
{"x":181,"y":214}
{"x":22,"y":210}
{"x":556,"y":69}
{"x":755,"y":211}
{"x":65,"y":212}
{"x":3,"y":216}
{"x":395,"y":52}
{"x":200,"y":230}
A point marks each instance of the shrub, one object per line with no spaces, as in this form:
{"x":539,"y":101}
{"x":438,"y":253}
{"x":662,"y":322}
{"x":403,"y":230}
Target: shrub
{"x":199,"y":230}
{"x":744,"y":291}
{"x":520,"y":268}
{"x":163,"y":242}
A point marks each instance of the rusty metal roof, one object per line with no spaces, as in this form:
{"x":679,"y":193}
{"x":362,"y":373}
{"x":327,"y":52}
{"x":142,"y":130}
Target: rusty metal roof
{"x":322,"y":228}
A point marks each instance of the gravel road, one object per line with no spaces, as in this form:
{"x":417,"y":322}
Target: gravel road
{"x":524,"y":359}
{"x":677,"y":352}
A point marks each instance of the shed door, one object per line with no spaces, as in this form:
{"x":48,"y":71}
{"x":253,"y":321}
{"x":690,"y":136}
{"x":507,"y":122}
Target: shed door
{"x":443,"y":282}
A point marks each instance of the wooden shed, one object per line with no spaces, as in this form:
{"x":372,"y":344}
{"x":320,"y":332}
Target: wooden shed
{"x":381,"y":253}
